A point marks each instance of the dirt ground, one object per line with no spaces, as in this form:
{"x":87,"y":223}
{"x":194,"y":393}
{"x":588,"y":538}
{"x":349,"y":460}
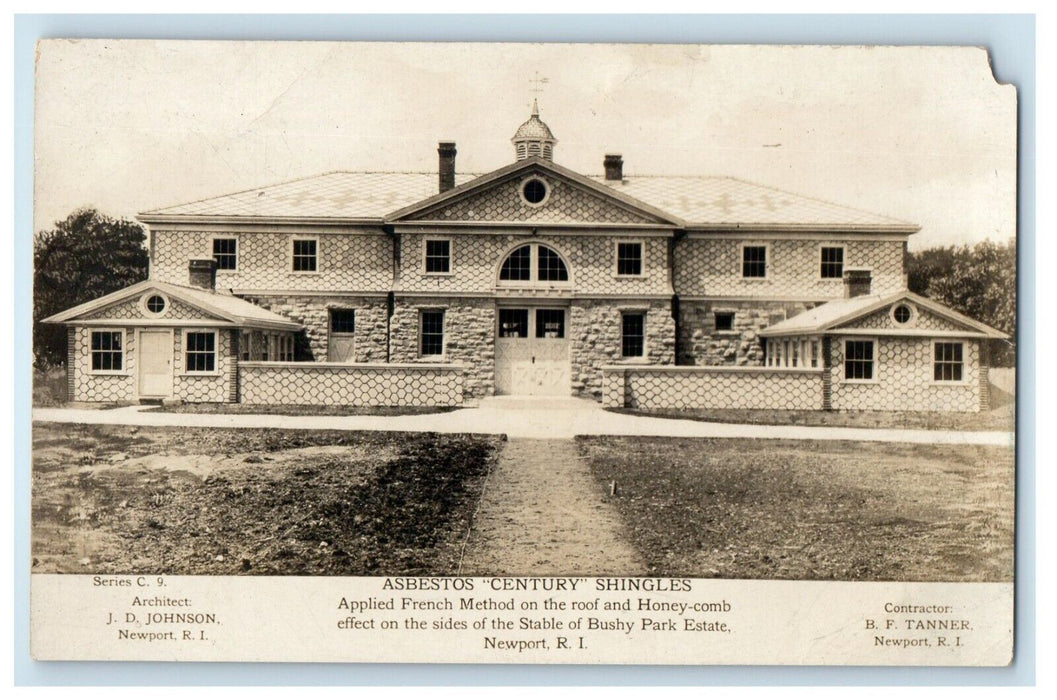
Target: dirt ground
{"x":543,"y":514}
{"x":853,"y":511}
{"x":121,"y":499}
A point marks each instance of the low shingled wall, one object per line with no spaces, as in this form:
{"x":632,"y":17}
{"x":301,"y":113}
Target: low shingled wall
{"x":653,"y":387}
{"x":340,"y":384}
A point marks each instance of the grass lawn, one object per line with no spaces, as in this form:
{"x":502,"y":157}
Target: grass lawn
{"x":853,"y":511}
{"x":304,"y":410}
{"x":1001,"y":417}
{"x":122,"y":499}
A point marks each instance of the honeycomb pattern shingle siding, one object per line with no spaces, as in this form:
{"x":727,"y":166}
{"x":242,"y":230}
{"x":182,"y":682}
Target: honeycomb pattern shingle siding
{"x":351,"y":385}
{"x":212,"y":388}
{"x":904,"y":373}
{"x":712,"y":267}
{"x":133,"y":309}
{"x":104,"y":388}
{"x":922,"y":320}
{"x":345,"y":261}
{"x":476,"y":260}
{"x":709,"y":387}
{"x":565,"y":204}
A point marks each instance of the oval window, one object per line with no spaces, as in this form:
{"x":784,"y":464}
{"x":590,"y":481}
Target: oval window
{"x":534,"y":191}
{"x":902,"y":313}
{"x":156,"y":304}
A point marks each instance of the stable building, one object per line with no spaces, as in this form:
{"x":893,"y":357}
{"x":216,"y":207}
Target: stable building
{"x":403,"y":288}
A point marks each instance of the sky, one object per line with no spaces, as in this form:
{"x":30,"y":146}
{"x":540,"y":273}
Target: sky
{"x":922,"y":134}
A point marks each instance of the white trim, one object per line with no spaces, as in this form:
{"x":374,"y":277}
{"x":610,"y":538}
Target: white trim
{"x":290,"y":256}
{"x":184,"y":372}
{"x":843,"y":261}
{"x":914,"y":315}
{"x":426,"y":240}
{"x":704,"y":369}
{"x":124,"y":371}
{"x":616,"y":258}
{"x":547,"y":189}
{"x":238,"y":249}
{"x":369,"y":366}
{"x":139,"y":363}
{"x":644,"y":357}
{"x":766,"y":262}
{"x":965,"y":364}
{"x":167,"y":304}
{"x":875,"y":368}
{"x":443,"y":330}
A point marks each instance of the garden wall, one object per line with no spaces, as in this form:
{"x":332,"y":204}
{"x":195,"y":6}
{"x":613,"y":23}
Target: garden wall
{"x":334,"y":384}
{"x":712,"y":387}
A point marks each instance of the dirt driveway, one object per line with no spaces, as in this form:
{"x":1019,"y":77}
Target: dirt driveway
{"x":542,"y":514}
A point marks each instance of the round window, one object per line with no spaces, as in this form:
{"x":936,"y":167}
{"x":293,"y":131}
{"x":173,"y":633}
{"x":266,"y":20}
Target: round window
{"x":902,"y":313}
{"x":156,"y":304}
{"x":534,"y":191}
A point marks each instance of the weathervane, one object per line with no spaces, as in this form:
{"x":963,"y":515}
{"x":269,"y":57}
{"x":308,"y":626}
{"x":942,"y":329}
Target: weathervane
{"x":537,"y":88}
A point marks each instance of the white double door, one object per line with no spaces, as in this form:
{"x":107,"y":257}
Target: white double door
{"x":532,"y":352}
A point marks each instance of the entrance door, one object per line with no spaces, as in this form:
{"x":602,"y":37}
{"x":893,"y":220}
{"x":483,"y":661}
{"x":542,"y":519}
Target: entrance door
{"x":155,"y":364}
{"x":532,"y":353}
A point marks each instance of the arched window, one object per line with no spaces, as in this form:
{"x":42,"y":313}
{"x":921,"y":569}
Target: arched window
{"x":533,"y":262}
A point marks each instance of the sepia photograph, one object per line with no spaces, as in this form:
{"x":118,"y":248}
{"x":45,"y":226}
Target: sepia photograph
{"x":646,"y":314}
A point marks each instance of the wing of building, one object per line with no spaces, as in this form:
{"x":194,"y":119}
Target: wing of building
{"x":445,"y":287}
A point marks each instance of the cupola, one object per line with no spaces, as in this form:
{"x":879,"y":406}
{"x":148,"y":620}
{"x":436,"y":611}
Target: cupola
{"x":534,"y":138}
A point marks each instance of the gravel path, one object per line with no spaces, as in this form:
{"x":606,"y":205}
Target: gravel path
{"x":542,"y":514}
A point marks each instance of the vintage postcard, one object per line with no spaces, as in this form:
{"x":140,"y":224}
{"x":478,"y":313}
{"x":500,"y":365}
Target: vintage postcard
{"x":523,"y":353}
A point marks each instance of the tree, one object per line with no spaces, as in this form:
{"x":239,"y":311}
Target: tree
{"x":82,"y":258}
{"x":979,"y":281}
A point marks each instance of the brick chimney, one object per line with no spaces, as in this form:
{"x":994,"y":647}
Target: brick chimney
{"x":202,"y":273}
{"x":614,"y":165}
{"x":446,"y":165}
{"x":856,"y":282}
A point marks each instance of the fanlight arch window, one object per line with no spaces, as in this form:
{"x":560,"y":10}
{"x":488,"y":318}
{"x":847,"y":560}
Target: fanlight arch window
{"x":534,"y":263}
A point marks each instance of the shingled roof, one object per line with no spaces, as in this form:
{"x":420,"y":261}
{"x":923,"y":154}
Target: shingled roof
{"x":701,"y":202}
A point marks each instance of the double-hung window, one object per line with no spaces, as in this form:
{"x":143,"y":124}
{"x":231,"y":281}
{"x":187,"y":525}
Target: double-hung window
{"x":226,"y":253}
{"x":633,"y":334}
{"x":858,"y":360}
{"x":305,"y":255}
{"x":629,"y":259}
{"x":438,"y":257}
{"x":831,"y":261}
{"x":108,"y":354}
{"x":948,"y":362}
{"x":200,"y":351}
{"x":431,"y":333}
{"x":754,"y":261}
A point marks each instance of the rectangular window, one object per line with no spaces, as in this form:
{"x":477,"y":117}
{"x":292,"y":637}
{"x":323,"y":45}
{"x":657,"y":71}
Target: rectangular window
{"x":432,"y":331}
{"x":724,"y":320}
{"x":858,"y":359}
{"x":629,"y":259}
{"x":244,"y":345}
{"x":438,"y":257}
{"x":108,"y":353}
{"x":550,"y":323}
{"x":226,"y":253}
{"x":832,"y":261}
{"x":343,"y":321}
{"x":286,"y":348}
{"x":754,"y":261}
{"x":200,"y":351}
{"x":814,"y":353}
{"x":304,"y":259}
{"x":948,"y":362}
{"x":633,"y":335}
{"x":513,"y":323}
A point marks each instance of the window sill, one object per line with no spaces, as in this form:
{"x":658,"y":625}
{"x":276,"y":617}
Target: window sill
{"x":619,"y":276}
{"x":438,"y":274}
{"x":304,"y":272}
{"x":866,"y":382}
{"x":109,"y":373}
{"x":201,"y":374}
{"x":961,"y":383}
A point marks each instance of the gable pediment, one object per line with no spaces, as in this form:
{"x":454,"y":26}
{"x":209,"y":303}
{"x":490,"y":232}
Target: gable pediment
{"x":567,"y":199}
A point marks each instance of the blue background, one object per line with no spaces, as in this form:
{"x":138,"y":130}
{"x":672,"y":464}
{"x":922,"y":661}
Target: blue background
{"x":1011,"y":41}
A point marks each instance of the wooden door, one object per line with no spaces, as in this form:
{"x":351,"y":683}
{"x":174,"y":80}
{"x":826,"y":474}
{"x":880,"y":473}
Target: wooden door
{"x":155,"y":364}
